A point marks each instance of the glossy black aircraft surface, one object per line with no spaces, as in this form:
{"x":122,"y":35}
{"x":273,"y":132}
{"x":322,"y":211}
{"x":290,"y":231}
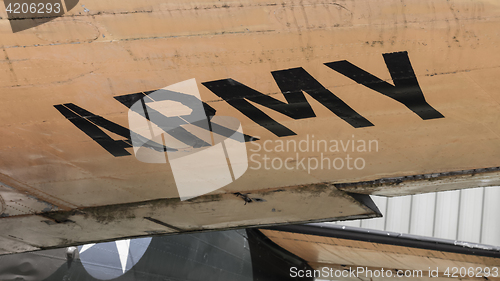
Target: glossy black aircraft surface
{"x":228,"y":255}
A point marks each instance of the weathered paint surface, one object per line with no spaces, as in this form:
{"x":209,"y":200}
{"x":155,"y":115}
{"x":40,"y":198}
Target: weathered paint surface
{"x":416,"y":184}
{"x":170,"y":216}
{"x":343,"y":254}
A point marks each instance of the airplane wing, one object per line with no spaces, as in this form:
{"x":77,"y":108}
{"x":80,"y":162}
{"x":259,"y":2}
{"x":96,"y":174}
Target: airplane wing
{"x":296,"y":113}
{"x":338,"y":252}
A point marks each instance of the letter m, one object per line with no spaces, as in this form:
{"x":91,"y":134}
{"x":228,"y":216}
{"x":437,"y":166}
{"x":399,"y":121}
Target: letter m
{"x":292,"y":83}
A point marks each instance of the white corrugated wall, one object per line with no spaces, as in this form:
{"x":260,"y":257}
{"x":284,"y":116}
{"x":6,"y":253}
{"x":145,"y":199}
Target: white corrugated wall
{"x":471,"y":215}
